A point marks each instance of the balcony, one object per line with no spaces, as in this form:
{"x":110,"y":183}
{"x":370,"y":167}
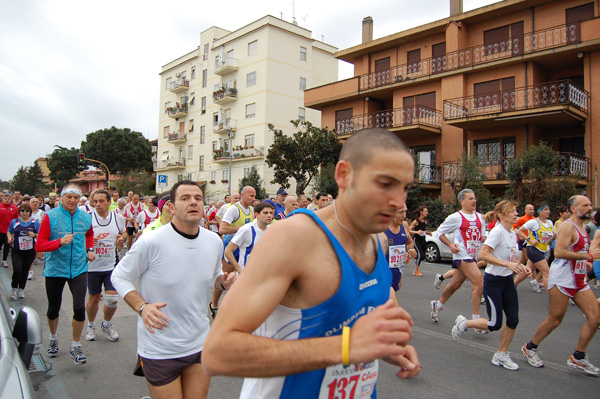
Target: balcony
{"x":178,"y":111}
{"x":226,"y":66}
{"x":404,"y":121}
{"x":177,"y":137}
{"x":550,"y":105}
{"x":178,"y":86}
{"x":168,"y":164}
{"x":225,"y":95}
{"x":224,"y":126}
{"x":429,"y":176}
{"x":529,"y":43}
{"x":239,"y":154}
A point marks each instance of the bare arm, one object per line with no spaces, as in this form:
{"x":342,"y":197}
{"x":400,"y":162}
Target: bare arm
{"x":229,"y":250}
{"x":567,"y":236}
{"x":412,"y":226}
{"x":226,"y":228}
{"x":595,"y":242}
{"x":485,"y":254}
{"x":521,"y":234}
{"x":410,"y":243}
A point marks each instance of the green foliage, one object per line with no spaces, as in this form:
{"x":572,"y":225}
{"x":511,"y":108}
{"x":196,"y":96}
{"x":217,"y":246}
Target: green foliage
{"x":469,"y":174}
{"x":254,"y":180}
{"x":122,"y":150}
{"x":438,"y":210}
{"x":325,"y":180}
{"x":34,"y":179}
{"x":138,"y":181}
{"x":413,"y":197}
{"x":19,"y":181}
{"x":4,"y":185}
{"x":533,"y":180}
{"x":299,"y":156}
{"x":63,"y":164}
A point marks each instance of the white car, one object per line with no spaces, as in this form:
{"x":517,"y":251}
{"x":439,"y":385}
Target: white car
{"x":435,"y":250}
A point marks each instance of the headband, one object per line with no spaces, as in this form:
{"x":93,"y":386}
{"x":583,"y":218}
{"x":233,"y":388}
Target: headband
{"x":162,"y":201}
{"x":70,"y":190}
{"x":542,"y":207}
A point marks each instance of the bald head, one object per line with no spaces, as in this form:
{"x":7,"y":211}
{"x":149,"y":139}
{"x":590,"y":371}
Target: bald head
{"x":291,"y":203}
{"x":363,"y":145}
{"x":248,"y":196}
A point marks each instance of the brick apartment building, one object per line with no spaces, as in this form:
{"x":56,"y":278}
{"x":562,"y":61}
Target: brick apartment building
{"x":491,"y":81}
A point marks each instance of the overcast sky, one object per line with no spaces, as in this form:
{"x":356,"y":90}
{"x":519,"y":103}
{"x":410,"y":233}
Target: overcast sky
{"x":71,"y":67}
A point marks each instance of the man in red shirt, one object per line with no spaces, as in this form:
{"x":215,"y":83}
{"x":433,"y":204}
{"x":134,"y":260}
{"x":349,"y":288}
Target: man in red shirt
{"x":8,"y":212}
{"x":529,"y":214}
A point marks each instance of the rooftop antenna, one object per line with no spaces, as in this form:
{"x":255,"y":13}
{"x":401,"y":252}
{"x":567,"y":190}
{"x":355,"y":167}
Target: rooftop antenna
{"x":304,"y":19}
{"x":281,"y":14}
{"x":294,"y":14}
{"x":323,"y":38}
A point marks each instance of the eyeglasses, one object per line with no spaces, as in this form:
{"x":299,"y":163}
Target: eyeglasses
{"x":24,"y":210}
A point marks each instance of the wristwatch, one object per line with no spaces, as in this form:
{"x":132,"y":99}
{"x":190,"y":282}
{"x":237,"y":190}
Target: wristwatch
{"x":90,"y":249}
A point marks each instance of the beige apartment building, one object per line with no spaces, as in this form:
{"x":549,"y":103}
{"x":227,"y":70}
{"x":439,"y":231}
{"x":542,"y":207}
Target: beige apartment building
{"x":216,"y":102}
{"x":491,"y":82}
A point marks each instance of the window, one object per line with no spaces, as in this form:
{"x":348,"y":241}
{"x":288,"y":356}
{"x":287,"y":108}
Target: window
{"x":215,"y":146}
{"x":168,"y":83}
{"x":382,"y":71}
{"x":202,"y":134}
{"x":249,"y":140}
{"x":301,"y":113}
{"x":226,"y":145}
{"x":425,"y":158}
{"x":193,"y":98}
{"x":302,"y":83}
{"x":343,"y":121}
{"x":201,"y":162}
{"x":179,"y":178}
{"x":193,"y":72}
{"x":413,"y":59}
{"x":253,"y":47}
{"x":203,"y":108}
{"x":191,"y":126}
{"x":302,"y":53}
{"x":497,"y":40}
{"x":213,"y":175}
{"x":251,"y":79}
{"x":204,"y":77}
{"x":205,"y":56}
{"x":183,"y":75}
{"x":225,"y":174}
{"x":165,"y":156}
{"x":182,"y":126}
{"x":494,"y":155}
{"x":494,"y":95}
{"x":250,"y":110}
{"x":190,"y":151}
{"x":167,"y":106}
{"x":166,"y":131}
{"x":576,"y":15}
{"x":247,"y":171}
{"x":413,"y":104}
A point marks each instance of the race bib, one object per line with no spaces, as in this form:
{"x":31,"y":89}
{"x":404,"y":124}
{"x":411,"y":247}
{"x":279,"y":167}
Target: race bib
{"x":473,"y":247}
{"x":580,"y":267}
{"x":513,"y":255}
{"x":104,"y":249}
{"x":25,"y":243}
{"x":356,"y":381}
{"x":546,"y":237}
{"x":397,"y":255}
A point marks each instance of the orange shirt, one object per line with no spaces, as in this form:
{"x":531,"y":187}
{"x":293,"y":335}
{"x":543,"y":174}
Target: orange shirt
{"x":521,"y":221}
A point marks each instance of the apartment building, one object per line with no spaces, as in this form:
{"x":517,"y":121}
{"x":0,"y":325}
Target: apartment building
{"x":491,"y":82}
{"x":216,"y":102}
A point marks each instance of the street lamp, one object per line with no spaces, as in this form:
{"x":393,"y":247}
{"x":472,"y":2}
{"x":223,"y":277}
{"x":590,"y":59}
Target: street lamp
{"x":231,"y":136}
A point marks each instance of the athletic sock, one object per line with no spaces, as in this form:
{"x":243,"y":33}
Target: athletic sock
{"x":54,"y":337}
{"x":578,"y":355}
{"x":475,"y":317}
{"x":75,"y":343}
{"x":106,"y":324}
{"x":440,"y":305}
{"x":91,"y":324}
{"x":531,"y":345}
{"x":441,"y":277}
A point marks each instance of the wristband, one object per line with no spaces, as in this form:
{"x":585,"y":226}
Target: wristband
{"x":222,"y":286}
{"x":346,"y":346}
{"x":142,"y":308}
{"x":591,"y":256}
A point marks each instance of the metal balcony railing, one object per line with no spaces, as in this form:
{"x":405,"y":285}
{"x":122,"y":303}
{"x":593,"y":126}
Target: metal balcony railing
{"x":429,"y":174}
{"x":391,"y":118}
{"x":179,"y":84}
{"x":176,"y":136}
{"x":530,"y":97}
{"x":570,"y":164}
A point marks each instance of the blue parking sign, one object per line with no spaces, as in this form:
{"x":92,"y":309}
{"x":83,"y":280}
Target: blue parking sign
{"x":162,"y":180}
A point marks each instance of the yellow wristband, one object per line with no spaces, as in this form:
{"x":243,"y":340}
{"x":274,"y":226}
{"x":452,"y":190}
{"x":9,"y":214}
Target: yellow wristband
{"x":346,"y":346}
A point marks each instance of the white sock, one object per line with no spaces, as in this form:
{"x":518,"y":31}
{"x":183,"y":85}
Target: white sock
{"x":440,"y":305}
{"x":54,"y":337}
{"x":75,"y":343}
{"x":475,"y":317}
{"x":106,"y":324}
{"x":91,"y":324}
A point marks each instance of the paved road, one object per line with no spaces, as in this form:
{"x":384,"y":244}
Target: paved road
{"x":450,"y":369}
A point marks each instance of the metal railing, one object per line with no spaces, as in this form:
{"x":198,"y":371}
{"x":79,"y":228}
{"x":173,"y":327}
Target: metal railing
{"x":179,"y":83}
{"x":226,"y":62}
{"x":570,"y":164}
{"x":224,"y":92}
{"x":173,"y":136}
{"x":226,"y":124}
{"x":429,"y":174}
{"x":177,"y":109}
{"x":391,"y":118}
{"x":530,"y":97}
{"x":175,"y":162}
{"x":557,"y":36}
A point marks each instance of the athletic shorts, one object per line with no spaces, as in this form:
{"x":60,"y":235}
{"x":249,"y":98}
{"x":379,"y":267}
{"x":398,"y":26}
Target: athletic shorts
{"x":456,"y":262}
{"x":570,"y":292}
{"x":534,"y":254}
{"x":95,"y":281}
{"x":521,"y":244}
{"x":130,"y":231}
{"x":160,"y":372}
{"x":396,"y":277}
{"x":596,"y":268}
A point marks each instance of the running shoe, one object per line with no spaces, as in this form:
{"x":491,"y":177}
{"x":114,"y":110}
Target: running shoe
{"x":478,"y":331}
{"x":14,"y":294}
{"x":418,"y":273}
{"x":212,"y":311}
{"x":110,"y":331}
{"x":597,"y":286}
{"x":435,"y":311}
{"x":535,"y":286}
{"x":53,"y":348}
{"x":90,"y":333}
{"x":482,"y":300}
{"x":533,"y":357}
{"x":437,"y":283}
{"x":583,"y":364}
{"x":77,"y":355}
{"x":460,"y":327}
{"x":21,"y":293}
{"x":4,"y":263}
{"x":30,"y":275}
{"x":502,"y":359}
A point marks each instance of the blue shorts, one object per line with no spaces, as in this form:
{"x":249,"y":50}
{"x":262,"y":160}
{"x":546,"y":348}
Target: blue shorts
{"x":535,"y":255}
{"x":396,"y":277}
{"x":95,"y":280}
{"x":501,"y":295}
{"x":597,"y":268}
{"x":456,"y":262}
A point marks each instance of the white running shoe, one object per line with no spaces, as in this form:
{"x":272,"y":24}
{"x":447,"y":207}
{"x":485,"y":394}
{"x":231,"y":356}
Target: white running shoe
{"x":502,"y":359}
{"x":53,"y":348}
{"x":535,"y":286}
{"x":4,"y":263}
{"x":533,"y":357}
{"x":435,"y":311}
{"x":437,"y":283}
{"x":583,"y":364}
{"x":478,"y":331}
{"x":90,"y":333}
{"x":77,"y":355}
{"x":14,"y":294}
{"x":21,"y":293}
{"x":110,"y":332}
{"x":460,"y":327}
{"x":30,"y":275}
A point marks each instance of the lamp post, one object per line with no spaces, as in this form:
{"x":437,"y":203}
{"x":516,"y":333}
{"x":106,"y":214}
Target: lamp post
{"x":231,"y":135}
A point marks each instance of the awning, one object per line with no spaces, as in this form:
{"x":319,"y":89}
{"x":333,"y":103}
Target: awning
{"x":164,"y":157}
{"x":191,"y":126}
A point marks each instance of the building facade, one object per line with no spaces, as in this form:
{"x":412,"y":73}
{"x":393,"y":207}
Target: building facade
{"x":490,"y":82}
{"x":216,"y":102}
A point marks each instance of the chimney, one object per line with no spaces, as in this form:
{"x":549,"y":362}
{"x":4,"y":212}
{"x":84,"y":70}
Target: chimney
{"x":456,"y":7}
{"x":367,"y":29}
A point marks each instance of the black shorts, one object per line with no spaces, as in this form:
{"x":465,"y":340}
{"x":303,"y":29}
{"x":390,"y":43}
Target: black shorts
{"x":456,"y":262}
{"x":130,"y":231}
{"x":396,"y":277}
{"x":534,"y":254}
{"x":97,"y":279}
{"x":160,"y":372}
{"x":521,"y":244}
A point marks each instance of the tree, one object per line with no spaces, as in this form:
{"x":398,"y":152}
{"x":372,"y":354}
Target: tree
{"x":138,"y":181}
{"x":4,"y":185}
{"x":299,"y":156}
{"x":254,"y":180}
{"x":19,"y":181}
{"x":64,"y":164}
{"x":34,"y":179}
{"x":325,"y":180}
{"x":122,"y":150}
{"x":468,"y":173}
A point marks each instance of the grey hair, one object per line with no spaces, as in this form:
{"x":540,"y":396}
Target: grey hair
{"x":219,"y":202}
{"x":121,"y":201}
{"x":571,"y":202}
{"x":463,"y":193}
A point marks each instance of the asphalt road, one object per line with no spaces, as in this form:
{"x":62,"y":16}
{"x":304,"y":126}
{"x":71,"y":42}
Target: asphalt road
{"x":451,"y":369}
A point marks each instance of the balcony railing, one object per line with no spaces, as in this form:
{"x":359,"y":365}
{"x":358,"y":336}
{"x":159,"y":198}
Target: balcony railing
{"x":179,"y":85}
{"x":225,"y":66}
{"x":224,"y":95}
{"x":429,"y":174}
{"x":174,"y":163}
{"x":221,"y":155}
{"x":223,"y":126}
{"x":417,"y":115}
{"x":177,"y":137}
{"x":570,"y":164}
{"x":177,"y":111}
{"x":536,"y":96}
{"x":557,"y":36}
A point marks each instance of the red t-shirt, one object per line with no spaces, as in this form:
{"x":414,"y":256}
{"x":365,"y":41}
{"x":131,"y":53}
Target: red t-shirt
{"x":7,"y":214}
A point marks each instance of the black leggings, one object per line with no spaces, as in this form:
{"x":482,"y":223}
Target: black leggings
{"x":4,"y":243}
{"x":54,"y":291}
{"x":21,"y":261}
{"x":420,"y":247}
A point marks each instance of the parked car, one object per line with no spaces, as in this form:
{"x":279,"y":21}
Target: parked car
{"x":436,"y":250}
{"x":19,"y":333}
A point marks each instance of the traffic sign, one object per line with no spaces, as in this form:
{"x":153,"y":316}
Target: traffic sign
{"x":162,"y":180}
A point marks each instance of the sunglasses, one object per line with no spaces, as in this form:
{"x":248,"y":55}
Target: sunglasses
{"x":24,"y":210}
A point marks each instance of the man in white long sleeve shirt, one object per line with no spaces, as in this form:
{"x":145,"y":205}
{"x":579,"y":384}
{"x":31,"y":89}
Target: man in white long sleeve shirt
{"x":177,"y":266}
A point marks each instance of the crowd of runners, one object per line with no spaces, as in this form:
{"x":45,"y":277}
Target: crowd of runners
{"x":353,"y":249}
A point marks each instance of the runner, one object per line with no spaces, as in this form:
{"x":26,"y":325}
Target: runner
{"x":21,"y":234}
{"x":132,"y":210}
{"x":529,"y":214}
{"x":113,"y":202}
{"x":469,"y":232}
{"x":291,"y":204}
{"x":176,"y":267}
{"x":213,"y":223}
{"x":500,"y":252}
{"x":279,"y":201}
{"x":567,"y":280}
{"x":596,"y":244}
{"x":418,"y":229}
{"x":398,"y":246}
{"x":8,"y":212}
{"x":147,"y":216}
{"x":17,"y":198}
{"x":109,"y":234}
{"x":36,"y":214}
{"x":563,"y":214}
{"x":165,"y":213}
{"x":323,"y":314}
{"x":439,"y":278}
